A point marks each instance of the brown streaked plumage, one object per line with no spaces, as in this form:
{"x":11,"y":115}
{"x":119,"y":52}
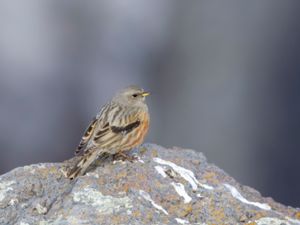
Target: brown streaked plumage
{"x":121,"y":125}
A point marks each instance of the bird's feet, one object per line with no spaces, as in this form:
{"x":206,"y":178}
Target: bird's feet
{"x":122,"y":156}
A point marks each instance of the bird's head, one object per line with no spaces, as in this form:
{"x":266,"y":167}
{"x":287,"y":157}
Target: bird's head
{"x":131,"y":96}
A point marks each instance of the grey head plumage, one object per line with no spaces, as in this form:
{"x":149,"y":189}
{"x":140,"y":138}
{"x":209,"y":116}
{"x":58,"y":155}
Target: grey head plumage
{"x":131,"y":96}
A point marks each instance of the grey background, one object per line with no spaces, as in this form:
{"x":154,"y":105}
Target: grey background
{"x":224,"y":77}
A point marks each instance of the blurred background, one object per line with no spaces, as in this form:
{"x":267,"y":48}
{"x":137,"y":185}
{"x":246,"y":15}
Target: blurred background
{"x":225,"y":78}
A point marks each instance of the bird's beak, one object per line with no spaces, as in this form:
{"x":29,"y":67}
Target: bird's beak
{"x":144,"y":94}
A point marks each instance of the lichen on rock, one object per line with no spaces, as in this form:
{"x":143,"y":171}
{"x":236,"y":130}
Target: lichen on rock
{"x":105,"y":204}
{"x":163,"y":186}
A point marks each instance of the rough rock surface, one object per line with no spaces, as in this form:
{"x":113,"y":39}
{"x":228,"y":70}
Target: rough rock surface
{"x":163,"y":186}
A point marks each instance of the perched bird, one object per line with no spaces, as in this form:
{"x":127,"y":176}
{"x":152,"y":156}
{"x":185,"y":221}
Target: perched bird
{"x":120,"y":126}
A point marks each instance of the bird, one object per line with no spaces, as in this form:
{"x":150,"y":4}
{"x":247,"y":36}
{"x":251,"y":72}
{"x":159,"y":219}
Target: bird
{"x":120,"y":126}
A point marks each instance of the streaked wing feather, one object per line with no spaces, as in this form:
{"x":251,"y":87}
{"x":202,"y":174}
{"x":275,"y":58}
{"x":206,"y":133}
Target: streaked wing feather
{"x":87,"y":136}
{"x":126,"y":129}
{"x":114,"y":131}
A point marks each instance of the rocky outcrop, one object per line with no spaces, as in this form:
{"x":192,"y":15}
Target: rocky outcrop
{"x":162,"y":186}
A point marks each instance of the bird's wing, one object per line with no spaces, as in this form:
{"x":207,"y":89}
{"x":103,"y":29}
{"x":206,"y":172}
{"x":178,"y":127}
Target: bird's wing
{"x":87,"y":136}
{"x":96,"y":123}
{"x":108,"y":131}
{"x":116,"y":128}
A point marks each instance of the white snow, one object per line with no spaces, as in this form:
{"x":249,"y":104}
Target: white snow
{"x":179,"y":188}
{"x":161,"y":171}
{"x":185,"y":173}
{"x":181,"y":221}
{"x":147,"y":197}
{"x":238,"y":196}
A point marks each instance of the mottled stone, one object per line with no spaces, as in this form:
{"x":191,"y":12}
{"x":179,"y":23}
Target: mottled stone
{"x":163,"y":186}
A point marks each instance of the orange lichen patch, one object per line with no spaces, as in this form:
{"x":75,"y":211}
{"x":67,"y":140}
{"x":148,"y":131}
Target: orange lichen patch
{"x":140,"y":183}
{"x":258,"y":214}
{"x":172,"y":197}
{"x":117,"y":219}
{"x":141,"y":177}
{"x":122,"y":187}
{"x":44,"y":172}
{"x":180,"y":210}
{"x":218,"y":215}
{"x":211,"y":177}
{"x":297,"y":215}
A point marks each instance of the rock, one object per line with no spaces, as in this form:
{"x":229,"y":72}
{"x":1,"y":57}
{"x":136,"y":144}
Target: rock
{"x":163,"y":186}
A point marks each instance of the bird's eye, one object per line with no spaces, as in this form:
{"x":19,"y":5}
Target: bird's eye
{"x":134,"y":95}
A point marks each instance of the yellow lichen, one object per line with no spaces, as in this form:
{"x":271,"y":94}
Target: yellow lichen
{"x":149,"y":216}
{"x":136,"y":213}
{"x":180,"y":210}
{"x":211,"y":177}
{"x":116,"y":219}
{"x":154,"y":153}
{"x":143,"y":150}
{"x":122,"y":174}
{"x":218,"y":215}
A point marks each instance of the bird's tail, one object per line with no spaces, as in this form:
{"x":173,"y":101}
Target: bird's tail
{"x":80,"y":168}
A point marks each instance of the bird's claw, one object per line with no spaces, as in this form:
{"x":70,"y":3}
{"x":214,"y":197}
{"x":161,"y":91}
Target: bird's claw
{"x":122,"y":156}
